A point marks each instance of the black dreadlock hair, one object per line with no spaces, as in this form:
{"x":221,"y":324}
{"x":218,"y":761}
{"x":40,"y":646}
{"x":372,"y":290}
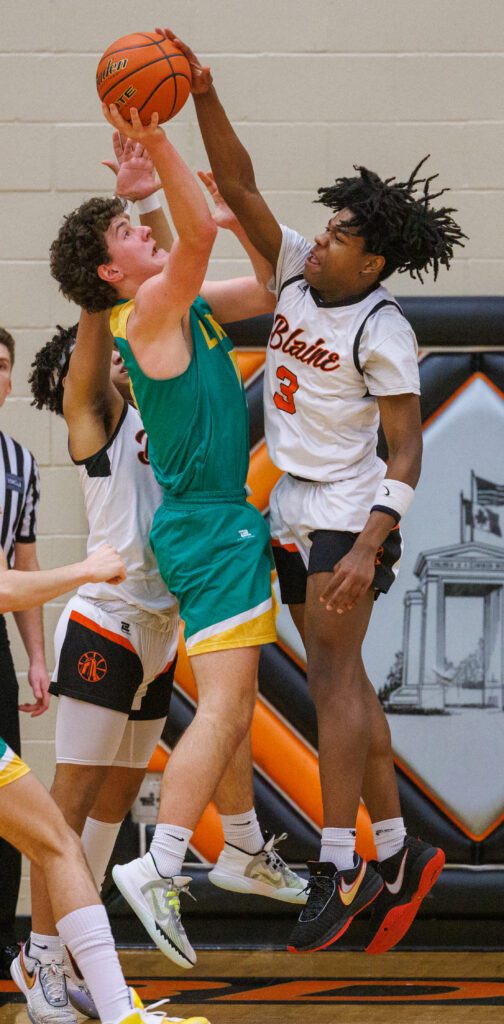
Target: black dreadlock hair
{"x":50,"y":366}
{"x":396,"y":223}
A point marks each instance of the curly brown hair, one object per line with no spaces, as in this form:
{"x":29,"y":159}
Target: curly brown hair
{"x":78,"y":251}
{"x":7,"y":340}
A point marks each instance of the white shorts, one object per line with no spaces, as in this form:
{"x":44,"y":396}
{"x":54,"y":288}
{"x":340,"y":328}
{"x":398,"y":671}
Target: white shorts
{"x":298,"y":507}
{"x":115,"y":677}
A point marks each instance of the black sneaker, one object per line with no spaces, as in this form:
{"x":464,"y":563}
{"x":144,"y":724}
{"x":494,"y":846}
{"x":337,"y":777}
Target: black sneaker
{"x":408,"y":876}
{"x":7,"y":955}
{"x":334,"y":898}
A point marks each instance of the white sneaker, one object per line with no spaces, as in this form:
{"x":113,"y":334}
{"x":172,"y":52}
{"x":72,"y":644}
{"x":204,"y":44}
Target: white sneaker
{"x":156,"y":902}
{"x":44,"y":988}
{"x":263,"y":873}
{"x":78,"y":992}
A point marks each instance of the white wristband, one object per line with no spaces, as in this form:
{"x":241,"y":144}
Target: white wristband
{"x":393,"y":497}
{"x":127,"y":204}
{"x":148,"y":205}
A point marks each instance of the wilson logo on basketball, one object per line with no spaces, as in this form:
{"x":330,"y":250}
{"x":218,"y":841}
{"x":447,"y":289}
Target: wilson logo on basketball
{"x":92,"y":667}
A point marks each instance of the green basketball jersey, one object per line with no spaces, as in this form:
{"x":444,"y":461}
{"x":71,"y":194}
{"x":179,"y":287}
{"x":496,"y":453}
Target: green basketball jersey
{"x":197,"y":423}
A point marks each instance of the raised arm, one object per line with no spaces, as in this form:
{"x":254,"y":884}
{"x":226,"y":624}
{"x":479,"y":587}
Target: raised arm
{"x":91,"y":404}
{"x":137,"y":182}
{"x":241,"y":297}
{"x":230,"y":161}
{"x":166,"y":296}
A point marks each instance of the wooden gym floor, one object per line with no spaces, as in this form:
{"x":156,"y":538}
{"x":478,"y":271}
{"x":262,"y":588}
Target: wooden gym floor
{"x":267,"y":987}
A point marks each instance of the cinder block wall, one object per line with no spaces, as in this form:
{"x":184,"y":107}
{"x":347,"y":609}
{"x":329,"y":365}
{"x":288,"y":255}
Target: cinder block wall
{"x":313,"y":89}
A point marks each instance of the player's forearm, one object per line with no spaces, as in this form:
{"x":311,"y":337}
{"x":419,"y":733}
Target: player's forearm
{"x":29,"y":618}
{"x":20,"y":591}
{"x":229,"y":160}
{"x":261,"y":266}
{"x":157,"y":221}
{"x":188,"y":207}
{"x":403,"y":466}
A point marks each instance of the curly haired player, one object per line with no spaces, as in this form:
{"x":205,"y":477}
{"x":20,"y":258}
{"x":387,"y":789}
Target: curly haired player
{"x":340,"y":357}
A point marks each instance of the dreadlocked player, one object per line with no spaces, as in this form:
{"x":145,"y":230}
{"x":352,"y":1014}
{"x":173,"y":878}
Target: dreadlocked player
{"x":340,"y":357}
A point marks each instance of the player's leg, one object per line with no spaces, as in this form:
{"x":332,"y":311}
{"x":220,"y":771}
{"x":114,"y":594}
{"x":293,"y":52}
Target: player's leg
{"x":341,"y":885}
{"x":30,"y":820}
{"x":10,"y":858}
{"x":226,"y":681}
{"x":250,"y":862}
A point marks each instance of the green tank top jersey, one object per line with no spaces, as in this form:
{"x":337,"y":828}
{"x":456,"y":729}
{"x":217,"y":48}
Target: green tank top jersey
{"x":197,"y":423}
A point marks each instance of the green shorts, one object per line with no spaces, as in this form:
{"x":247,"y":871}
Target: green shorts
{"x":214,"y":554}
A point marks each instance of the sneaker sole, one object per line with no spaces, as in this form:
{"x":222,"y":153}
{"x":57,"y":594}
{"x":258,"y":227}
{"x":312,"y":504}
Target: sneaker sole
{"x":243,"y":885}
{"x":396,"y":923}
{"x":81,"y":1003}
{"x":148,"y":921}
{"x":334,"y":938}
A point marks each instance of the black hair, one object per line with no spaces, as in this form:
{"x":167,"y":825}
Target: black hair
{"x":395,"y":221}
{"x":78,"y":251}
{"x":50,"y":366}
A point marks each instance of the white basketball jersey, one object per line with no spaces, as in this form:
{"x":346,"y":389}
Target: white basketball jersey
{"x":121,"y":496}
{"x":320,"y":386}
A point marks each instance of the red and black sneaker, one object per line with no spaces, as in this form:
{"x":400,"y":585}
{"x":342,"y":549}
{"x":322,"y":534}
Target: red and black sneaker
{"x":334,"y":898}
{"x":408,"y":876}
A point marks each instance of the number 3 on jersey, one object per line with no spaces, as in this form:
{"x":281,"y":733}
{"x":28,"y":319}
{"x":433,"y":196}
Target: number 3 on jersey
{"x":288,"y":387}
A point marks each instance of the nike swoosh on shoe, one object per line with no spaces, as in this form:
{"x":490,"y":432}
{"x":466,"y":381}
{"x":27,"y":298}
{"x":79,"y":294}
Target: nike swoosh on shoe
{"x":394,"y":887}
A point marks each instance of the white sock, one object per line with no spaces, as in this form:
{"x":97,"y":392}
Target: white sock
{"x":98,"y":839}
{"x":87,"y":934}
{"x":44,"y":948}
{"x":389,"y":836}
{"x":168,"y":849}
{"x":243,"y":831}
{"x":338,"y":846}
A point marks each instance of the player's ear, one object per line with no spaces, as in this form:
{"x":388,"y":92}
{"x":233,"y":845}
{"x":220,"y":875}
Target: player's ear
{"x":373,"y":265}
{"x":110,"y":273}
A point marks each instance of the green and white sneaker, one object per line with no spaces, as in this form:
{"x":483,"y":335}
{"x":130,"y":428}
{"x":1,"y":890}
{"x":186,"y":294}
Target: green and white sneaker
{"x":262,"y":874}
{"x":156,"y":902}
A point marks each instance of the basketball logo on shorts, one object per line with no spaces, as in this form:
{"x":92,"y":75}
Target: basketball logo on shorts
{"x":92,"y":667}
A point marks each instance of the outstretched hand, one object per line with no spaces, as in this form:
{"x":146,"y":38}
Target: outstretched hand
{"x":201,"y":76}
{"x":143,"y":133}
{"x":222,"y":215}
{"x":133,"y":167}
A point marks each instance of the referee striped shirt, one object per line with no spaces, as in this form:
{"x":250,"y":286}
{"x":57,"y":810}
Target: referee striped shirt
{"x":19,"y":496}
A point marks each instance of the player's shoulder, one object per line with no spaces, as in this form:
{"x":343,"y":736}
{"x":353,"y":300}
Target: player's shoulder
{"x":384,"y":315}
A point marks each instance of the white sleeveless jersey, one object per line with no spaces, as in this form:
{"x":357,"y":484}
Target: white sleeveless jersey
{"x":322,"y":381}
{"x":121,"y":497}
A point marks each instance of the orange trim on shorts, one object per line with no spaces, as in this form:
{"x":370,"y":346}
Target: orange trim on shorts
{"x":286,"y":547}
{"x":95,"y":628}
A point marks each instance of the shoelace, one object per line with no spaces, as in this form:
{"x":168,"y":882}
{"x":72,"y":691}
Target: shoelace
{"x":54,"y":981}
{"x":150,"y":1012}
{"x":318,"y":890}
{"x":172,"y":899}
{"x":273,"y":859}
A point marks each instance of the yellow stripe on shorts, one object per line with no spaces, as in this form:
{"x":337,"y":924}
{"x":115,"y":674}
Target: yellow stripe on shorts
{"x":11,"y":767}
{"x":249,"y":629}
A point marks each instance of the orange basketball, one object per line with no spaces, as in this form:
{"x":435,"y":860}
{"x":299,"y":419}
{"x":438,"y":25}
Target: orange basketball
{"x":146,"y":71}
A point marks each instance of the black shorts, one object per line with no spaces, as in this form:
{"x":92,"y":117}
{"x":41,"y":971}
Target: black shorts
{"x":329,"y":547}
{"x":102,"y":666}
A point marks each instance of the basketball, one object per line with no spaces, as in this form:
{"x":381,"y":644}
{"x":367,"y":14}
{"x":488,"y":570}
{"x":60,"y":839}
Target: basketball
{"x":146,"y":71}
